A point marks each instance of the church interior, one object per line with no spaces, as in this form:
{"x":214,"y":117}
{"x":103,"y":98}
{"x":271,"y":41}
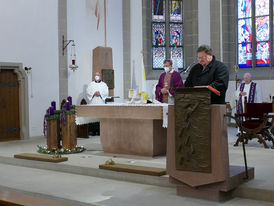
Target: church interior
{"x":58,"y":146}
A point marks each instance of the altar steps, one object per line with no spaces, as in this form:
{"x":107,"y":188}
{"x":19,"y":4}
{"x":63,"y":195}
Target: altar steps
{"x":254,"y":189}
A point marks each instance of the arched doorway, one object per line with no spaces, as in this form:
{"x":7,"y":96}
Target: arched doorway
{"x":14,"y":121}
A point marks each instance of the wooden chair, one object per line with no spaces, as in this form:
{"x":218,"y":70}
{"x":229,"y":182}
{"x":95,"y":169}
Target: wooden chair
{"x":255,"y":124}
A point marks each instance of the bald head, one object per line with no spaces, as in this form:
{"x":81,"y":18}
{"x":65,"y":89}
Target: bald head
{"x":247,"y":78}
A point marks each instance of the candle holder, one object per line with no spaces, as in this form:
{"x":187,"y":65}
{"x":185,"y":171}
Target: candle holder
{"x":73,"y":65}
{"x":236,"y":69}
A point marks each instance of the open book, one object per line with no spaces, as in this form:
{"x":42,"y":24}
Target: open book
{"x":215,"y":91}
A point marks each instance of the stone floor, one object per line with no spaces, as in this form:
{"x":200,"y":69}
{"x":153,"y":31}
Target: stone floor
{"x":79,"y":181}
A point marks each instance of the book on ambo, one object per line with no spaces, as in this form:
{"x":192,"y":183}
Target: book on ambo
{"x":215,"y":91}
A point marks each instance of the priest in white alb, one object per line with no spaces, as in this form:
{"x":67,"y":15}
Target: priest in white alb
{"x":248,"y":89}
{"x":97,"y":90}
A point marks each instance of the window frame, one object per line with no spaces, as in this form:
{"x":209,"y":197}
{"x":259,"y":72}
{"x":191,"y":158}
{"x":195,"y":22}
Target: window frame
{"x":254,"y":41}
{"x":167,"y":23}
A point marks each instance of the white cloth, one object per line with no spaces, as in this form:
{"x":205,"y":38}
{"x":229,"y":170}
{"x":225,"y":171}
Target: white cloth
{"x":258,"y":94}
{"x":165,"y":115}
{"x":86,"y":120}
{"x":94,"y":87}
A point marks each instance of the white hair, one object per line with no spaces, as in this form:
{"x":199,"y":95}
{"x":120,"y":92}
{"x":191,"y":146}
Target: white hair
{"x":248,"y":74}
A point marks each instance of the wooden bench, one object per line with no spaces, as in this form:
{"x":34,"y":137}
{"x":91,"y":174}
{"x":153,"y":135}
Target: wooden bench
{"x":8,"y":198}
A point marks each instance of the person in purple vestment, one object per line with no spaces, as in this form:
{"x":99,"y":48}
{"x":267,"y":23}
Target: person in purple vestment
{"x":248,"y":89}
{"x":168,"y":82}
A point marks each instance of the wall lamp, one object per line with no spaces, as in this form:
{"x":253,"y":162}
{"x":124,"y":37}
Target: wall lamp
{"x":73,"y":65}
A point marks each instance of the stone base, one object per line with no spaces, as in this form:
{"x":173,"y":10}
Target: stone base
{"x":133,"y":136}
{"x":220,"y":191}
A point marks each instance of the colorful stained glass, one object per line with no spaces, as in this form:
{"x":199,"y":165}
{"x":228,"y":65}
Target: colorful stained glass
{"x":262,"y":28}
{"x":244,"y":30}
{"x":176,"y":10}
{"x":158,"y":34}
{"x":244,"y":8}
{"x":159,"y":55}
{"x":262,"y":54}
{"x":262,"y":7}
{"x":176,"y":34}
{"x":158,"y":10}
{"x":176,"y":55}
{"x":245,"y":55}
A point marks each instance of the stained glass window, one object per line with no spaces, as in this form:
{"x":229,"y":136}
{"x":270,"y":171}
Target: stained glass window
{"x":262,"y":54}
{"x":176,"y":34}
{"x":244,"y":8}
{"x":259,"y":36}
{"x":262,"y":7}
{"x":176,"y":10}
{"x":158,"y":10}
{"x":176,"y":55}
{"x":158,"y":34}
{"x":159,"y":55}
{"x":167,"y":32}
{"x":262,"y":28}
{"x":245,"y":55}
{"x":245,"y":30}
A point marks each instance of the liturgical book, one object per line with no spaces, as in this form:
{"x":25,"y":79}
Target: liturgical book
{"x":215,"y":91}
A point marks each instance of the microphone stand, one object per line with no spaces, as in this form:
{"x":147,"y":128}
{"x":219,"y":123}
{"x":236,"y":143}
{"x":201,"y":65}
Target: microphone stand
{"x":183,"y":71}
{"x":188,"y":68}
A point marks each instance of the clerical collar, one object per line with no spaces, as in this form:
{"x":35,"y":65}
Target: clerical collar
{"x":172,"y":70}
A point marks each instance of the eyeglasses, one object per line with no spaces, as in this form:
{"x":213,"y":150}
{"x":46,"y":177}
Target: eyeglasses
{"x":202,"y":57}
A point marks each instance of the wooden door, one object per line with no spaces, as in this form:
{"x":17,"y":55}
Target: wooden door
{"x":9,"y":106}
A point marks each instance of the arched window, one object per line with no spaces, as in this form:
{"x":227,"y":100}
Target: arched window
{"x":255,"y":33}
{"x":167,"y":32}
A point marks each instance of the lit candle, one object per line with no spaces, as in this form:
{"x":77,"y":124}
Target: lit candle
{"x":53,"y":104}
{"x":70,"y":99}
{"x":51,"y":110}
{"x":67,"y":105}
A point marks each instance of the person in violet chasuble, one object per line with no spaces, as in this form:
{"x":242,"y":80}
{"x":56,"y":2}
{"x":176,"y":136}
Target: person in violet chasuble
{"x":248,"y":89}
{"x":168,"y":82}
{"x":209,"y":72}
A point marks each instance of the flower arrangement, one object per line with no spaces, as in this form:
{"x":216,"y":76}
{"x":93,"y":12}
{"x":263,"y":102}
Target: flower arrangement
{"x":59,"y":151}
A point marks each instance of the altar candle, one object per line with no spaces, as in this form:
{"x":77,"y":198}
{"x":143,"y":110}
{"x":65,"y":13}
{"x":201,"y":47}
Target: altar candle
{"x":67,"y":105}
{"x":51,"y":110}
{"x":53,"y":104}
{"x":70,"y":99}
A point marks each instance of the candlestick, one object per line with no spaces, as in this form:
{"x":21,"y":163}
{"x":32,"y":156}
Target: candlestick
{"x":51,"y":110}
{"x":70,"y":99}
{"x":53,"y":104}
{"x":67,"y":105}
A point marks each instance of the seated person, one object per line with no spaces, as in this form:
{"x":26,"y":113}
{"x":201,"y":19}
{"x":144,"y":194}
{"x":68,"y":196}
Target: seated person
{"x":168,"y":82}
{"x":97,"y":90}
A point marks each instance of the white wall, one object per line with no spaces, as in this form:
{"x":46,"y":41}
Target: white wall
{"x":29,"y":35}
{"x":82,"y":27}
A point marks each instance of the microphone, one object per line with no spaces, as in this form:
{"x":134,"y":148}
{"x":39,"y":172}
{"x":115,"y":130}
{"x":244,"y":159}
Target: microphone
{"x":188,"y":68}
